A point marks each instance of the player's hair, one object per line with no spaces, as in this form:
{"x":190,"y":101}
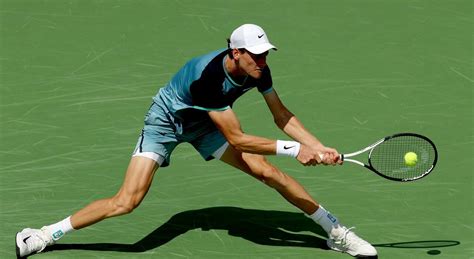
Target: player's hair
{"x":230,"y":50}
{"x":231,"y":56}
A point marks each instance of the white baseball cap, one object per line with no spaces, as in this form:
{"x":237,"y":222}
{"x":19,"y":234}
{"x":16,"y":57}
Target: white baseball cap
{"x":250,"y":37}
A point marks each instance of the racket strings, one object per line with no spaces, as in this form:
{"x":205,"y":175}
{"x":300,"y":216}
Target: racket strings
{"x":388,"y":157}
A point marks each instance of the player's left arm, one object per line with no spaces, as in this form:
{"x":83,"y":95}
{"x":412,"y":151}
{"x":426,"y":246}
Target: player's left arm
{"x":292,"y":126}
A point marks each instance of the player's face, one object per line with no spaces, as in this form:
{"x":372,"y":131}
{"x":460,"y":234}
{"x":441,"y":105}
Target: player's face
{"x":253,"y":64}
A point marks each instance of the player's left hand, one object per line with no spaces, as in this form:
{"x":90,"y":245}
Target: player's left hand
{"x":330,"y":156}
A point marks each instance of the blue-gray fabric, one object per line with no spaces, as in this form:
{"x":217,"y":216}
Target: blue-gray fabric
{"x":179,"y":112}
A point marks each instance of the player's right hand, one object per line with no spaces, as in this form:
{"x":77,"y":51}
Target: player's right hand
{"x":311,"y":156}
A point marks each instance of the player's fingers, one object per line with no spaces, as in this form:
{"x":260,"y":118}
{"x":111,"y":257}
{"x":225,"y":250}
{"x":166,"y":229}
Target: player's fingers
{"x":329,"y":159}
{"x":307,"y":161}
{"x":333,"y":152}
{"x":334,"y":158}
{"x":311,"y":163}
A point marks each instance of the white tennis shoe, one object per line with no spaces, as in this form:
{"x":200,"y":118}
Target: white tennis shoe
{"x":30,"y":241}
{"x":349,"y":242}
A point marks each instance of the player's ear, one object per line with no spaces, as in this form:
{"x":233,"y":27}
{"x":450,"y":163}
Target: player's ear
{"x":236,"y":54}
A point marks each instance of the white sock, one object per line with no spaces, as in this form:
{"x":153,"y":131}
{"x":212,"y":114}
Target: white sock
{"x":60,"y":228}
{"x":327,"y":221}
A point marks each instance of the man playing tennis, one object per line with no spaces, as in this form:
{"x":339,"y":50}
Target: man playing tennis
{"x":196,"y":107}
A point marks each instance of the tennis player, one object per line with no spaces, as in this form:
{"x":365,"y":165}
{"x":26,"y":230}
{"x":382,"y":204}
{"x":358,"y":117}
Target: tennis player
{"x":196,"y":107}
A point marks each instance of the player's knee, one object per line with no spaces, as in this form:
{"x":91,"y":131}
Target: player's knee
{"x":273,"y":177}
{"x":124,"y":204}
{"x":267,"y":173}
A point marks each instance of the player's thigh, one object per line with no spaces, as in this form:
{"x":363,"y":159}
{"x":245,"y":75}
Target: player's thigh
{"x":138,"y":179}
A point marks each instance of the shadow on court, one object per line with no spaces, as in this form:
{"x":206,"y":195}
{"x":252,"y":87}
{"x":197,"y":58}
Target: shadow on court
{"x":273,"y":228}
{"x":421,"y":244}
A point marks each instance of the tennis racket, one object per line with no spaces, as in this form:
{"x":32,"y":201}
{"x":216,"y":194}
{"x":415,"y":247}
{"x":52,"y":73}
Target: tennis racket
{"x":386,"y":157}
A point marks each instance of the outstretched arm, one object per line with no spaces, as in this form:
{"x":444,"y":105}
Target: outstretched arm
{"x":288,"y":123}
{"x":228,"y":123}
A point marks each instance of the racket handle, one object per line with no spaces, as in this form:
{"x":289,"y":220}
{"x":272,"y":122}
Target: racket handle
{"x":340,"y":155}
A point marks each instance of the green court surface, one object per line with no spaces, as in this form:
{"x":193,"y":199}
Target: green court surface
{"x":77,"y":77}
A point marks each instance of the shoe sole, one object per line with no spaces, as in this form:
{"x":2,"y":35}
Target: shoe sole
{"x":16,"y":245}
{"x":357,"y":256}
{"x":330,"y":246}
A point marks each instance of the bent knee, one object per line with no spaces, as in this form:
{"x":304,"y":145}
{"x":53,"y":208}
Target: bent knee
{"x":261,"y":169}
{"x":272,"y":177}
{"x":123,"y":204}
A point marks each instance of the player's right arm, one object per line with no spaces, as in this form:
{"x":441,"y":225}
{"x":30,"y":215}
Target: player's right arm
{"x":229,"y":125}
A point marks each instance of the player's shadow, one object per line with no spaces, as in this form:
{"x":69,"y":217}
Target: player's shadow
{"x":273,"y":228}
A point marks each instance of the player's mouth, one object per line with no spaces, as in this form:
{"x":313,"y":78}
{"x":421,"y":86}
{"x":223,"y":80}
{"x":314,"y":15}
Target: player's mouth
{"x":257,"y":73}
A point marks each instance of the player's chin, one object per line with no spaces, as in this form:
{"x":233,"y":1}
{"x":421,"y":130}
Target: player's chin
{"x":257,"y":74}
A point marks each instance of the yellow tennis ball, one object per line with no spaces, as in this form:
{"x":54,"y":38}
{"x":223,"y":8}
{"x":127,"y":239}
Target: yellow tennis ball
{"x":411,"y":158}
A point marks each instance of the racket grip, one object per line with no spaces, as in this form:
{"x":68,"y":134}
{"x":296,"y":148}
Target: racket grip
{"x":340,"y":155}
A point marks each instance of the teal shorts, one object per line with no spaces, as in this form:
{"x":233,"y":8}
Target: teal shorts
{"x":163,"y":132}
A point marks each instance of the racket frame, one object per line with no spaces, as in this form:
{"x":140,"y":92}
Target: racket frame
{"x":344,"y":157}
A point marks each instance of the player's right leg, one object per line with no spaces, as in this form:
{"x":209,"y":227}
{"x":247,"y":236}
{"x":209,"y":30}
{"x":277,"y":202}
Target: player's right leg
{"x":341,"y":239}
{"x":137,"y":182}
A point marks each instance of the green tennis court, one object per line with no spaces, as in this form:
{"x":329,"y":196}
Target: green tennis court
{"x":77,"y":77}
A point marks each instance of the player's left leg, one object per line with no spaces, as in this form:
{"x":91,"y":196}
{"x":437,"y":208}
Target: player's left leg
{"x":136,"y":184}
{"x":340,"y":238}
{"x":153,"y":150}
{"x":258,"y":167}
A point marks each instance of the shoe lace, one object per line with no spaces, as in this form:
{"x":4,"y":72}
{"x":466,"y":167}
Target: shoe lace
{"x":344,"y":238}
